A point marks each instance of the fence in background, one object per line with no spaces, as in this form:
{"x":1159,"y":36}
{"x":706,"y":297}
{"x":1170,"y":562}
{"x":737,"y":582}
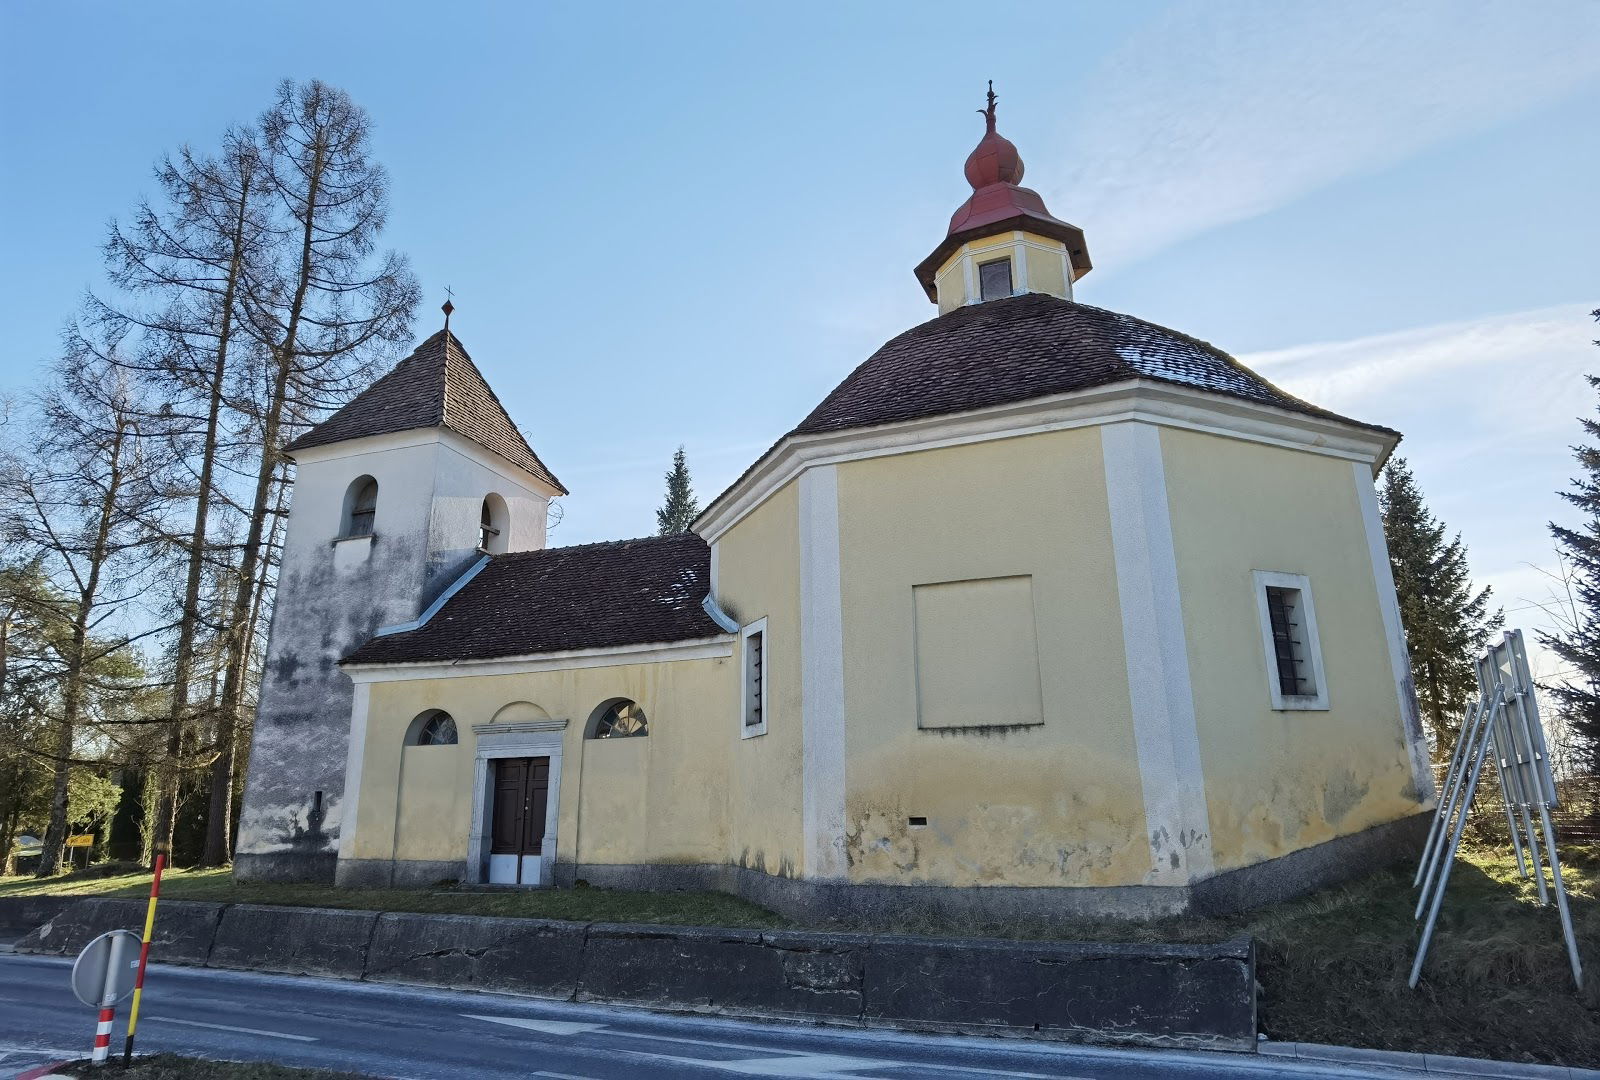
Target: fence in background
{"x":1576,"y":820}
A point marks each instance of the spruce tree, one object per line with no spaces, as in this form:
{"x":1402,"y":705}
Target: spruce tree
{"x":1447,"y":623}
{"x":1577,"y":693}
{"x":681,"y":506}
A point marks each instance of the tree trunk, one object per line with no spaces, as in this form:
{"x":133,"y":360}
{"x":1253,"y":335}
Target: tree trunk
{"x":239,"y":620}
{"x":216,"y":849}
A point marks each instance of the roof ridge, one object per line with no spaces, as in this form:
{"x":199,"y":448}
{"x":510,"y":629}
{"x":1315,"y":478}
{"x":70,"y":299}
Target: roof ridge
{"x":597,"y":544}
{"x":430,"y":388}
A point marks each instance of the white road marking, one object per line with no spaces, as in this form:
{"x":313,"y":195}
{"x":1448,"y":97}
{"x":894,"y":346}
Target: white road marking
{"x":703,"y":1042}
{"x":230,"y":1027}
{"x":776,"y":1061}
{"x":41,"y":1051}
{"x":817,"y":1065}
{"x":549,"y":1027}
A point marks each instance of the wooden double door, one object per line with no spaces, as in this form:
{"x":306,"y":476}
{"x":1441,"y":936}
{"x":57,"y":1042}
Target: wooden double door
{"x":516,"y":839}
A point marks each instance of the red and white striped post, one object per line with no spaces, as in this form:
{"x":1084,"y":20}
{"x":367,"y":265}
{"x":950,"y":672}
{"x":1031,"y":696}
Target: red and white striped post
{"x":108,"y":1003}
{"x":144,"y":957}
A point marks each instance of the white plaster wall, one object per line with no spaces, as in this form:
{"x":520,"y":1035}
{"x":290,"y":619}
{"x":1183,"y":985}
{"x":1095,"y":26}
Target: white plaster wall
{"x":332,"y":596}
{"x":463,"y":473}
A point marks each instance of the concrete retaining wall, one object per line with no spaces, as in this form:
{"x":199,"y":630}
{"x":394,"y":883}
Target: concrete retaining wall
{"x":19,"y":914}
{"x":1154,"y":995}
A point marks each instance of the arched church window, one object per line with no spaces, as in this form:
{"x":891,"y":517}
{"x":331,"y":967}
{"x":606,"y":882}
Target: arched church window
{"x":435,"y":727}
{"x":619,"y":719}
{"x":361,"y":506}
{"x":492,"y":524}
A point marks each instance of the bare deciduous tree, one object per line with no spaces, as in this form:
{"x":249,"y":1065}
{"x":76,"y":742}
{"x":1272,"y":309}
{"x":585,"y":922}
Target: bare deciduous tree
{"x":77,"y":499}
{"x":325,"y":310}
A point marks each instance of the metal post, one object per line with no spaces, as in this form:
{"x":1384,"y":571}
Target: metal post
{"x":108,"y":1005}
{"x":1542,"y":780}
{"x":144,"y":957}
{"x":1451,"y":780}
{"x":1511,"y":820}
{"x":1561,"y":897}
{"x":1449,"y":860}
{"x":1517,"y":745}
{"x":1477,"y":741}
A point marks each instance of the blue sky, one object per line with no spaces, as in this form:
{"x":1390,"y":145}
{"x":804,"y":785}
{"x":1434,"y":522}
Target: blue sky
{"x":686,"y":222}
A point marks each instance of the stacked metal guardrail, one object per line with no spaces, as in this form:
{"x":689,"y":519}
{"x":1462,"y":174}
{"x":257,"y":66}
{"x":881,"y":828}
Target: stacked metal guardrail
{"x":1502,"y":726}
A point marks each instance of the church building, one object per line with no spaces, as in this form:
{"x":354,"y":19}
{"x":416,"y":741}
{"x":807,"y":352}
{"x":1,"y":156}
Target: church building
{"x":1044,"y":610}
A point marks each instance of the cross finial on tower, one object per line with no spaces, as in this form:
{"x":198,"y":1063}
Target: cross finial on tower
{"x":988,"y":114}
{"x":447,"y":307}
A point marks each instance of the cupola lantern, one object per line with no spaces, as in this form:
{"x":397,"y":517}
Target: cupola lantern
{"x":1001,"y":241}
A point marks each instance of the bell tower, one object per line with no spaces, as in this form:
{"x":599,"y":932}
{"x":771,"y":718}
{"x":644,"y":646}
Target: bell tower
{"x":398,"y":497}
{"x":1001,"y":241}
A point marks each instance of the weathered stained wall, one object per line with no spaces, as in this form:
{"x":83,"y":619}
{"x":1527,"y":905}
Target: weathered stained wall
{"x":660,"y":798}
{"x":985,"y":574}
{"x":1058,"y":803}
{"x":1280,"y":781}
{"x":332,"y":596}
{"x":758,"y":577}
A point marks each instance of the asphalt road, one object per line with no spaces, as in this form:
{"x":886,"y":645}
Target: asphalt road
{"x":441,"y":1035}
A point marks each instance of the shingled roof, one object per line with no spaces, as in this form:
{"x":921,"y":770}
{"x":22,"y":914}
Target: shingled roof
{"x":1031,"y":346}
{"x":626,"y":592}
{"x":438,"y":385}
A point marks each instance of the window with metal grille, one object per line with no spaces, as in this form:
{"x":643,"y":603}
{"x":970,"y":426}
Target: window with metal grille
{"x":753,"y":660}
{"x":1283,"y":606}
{"x":994,"y":279}
{"x":1292,"y":648}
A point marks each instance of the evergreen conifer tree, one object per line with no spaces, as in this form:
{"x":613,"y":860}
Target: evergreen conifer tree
{"x":1577,"y":693}
{"x":681,"y":506}
{"x":1447,"y":623}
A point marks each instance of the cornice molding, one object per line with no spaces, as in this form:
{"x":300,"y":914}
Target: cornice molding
{"x":442,"y":436}
{"x":522,"y":727}
{"x":709,"y":648}
{"x":1145,"y":400}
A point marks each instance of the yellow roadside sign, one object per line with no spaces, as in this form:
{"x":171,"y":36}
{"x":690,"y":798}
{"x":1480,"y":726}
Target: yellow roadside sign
{"x":81,"y":840}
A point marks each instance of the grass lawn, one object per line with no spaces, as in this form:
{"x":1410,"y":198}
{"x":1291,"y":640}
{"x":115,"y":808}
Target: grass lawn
{"x":1332,"y":966}
{"x":173,"y":1067}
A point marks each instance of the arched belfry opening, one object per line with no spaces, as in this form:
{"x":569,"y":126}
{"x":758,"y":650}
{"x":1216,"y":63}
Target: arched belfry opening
{"x":360,"y":507}
{"x":494,"y":525}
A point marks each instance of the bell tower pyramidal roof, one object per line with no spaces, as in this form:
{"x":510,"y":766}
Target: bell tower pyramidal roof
{"x":437,"y":386}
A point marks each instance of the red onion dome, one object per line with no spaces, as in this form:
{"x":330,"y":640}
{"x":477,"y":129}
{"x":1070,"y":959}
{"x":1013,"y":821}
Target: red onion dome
{"x":995,"y":160}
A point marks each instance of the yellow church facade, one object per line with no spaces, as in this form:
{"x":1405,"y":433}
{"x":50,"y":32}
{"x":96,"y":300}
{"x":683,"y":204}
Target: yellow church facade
{"x":1045,"y":610}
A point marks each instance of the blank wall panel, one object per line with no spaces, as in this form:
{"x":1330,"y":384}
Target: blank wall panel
{"x":977,"y":654}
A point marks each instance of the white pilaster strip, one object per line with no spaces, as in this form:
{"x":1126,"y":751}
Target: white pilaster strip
{"x":821,"y":674}
{"x":354,"y":753}
{"x":1394,"y":632}
{"x":1158,"y":661}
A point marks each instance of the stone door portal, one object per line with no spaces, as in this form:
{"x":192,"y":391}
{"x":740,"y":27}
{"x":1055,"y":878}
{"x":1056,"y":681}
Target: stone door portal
{"x":521,"y":792}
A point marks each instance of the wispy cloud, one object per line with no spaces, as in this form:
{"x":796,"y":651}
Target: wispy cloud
{"x":1488,"y":408}
{"x":1218,"y":112}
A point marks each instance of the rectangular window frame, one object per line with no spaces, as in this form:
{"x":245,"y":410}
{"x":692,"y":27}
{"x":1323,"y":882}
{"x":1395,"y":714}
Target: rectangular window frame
{"x":1011,"y":278}
{"x":748,"y":730}
{"x":1312,"y":643}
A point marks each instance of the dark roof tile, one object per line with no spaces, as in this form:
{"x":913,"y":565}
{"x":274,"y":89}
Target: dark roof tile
{"x":625,"y":592}
{"x":1030,"y":346}
{"x":438,"y":385}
